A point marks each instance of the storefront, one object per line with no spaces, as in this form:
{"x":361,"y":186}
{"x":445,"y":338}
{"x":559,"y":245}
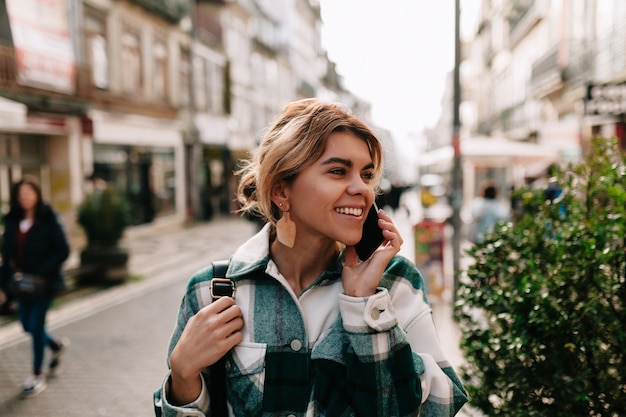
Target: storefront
{"x":143,"y":157}
{"x":605,"y":110}
{"x":214,"y":178}
{"x":41,"y":146}
{"x":147,"y":175}
{"x":217,"y":168}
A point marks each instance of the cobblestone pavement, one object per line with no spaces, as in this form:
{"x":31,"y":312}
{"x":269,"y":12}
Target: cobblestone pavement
{"x":119,"y":335}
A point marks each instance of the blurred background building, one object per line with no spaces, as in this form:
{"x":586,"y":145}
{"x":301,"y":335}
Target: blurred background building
{"x":159,"y":98}
{"x":162,"y":98}
{"x":539,"y":78}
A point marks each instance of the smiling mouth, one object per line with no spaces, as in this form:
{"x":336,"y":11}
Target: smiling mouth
{"x":351,"y":211}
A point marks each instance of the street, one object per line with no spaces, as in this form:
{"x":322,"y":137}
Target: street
{"x":116,"y":359}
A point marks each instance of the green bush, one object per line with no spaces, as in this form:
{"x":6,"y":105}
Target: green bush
{"x":541,"y":308}
{"x":104,"y":215}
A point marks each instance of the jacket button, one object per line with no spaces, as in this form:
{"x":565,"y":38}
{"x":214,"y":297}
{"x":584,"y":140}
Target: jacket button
{"x":296,"y":345}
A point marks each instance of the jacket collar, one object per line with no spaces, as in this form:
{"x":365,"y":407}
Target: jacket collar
{"x":254,"y":255}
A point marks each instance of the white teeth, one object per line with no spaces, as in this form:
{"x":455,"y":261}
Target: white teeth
{"x":349,"y":210}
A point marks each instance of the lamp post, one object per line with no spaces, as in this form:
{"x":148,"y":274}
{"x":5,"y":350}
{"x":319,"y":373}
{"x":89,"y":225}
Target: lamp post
{"x":457,"y":194}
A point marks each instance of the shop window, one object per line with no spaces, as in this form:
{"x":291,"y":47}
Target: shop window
{"x":147,"y":175}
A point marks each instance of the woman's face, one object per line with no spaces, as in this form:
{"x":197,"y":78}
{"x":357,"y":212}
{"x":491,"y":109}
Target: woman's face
{"x":27,"y":197}
{"x":330,"y":198}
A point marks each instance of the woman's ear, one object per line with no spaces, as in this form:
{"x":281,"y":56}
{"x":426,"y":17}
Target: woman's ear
{"x":279,"y":193}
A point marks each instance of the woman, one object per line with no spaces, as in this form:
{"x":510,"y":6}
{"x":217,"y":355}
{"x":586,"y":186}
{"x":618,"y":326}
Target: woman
{"x":34,"y":243}
{"x":312,"y":330}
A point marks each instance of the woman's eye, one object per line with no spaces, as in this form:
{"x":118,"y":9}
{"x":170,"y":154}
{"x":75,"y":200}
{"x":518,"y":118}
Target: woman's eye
{"x":337,"y":171}
{"x":368,"y":175}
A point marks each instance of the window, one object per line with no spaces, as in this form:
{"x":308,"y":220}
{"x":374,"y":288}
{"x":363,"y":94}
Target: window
{"x":199,"y":78}
{"x":185,"y":76}
{"x":96,"y":48}
{"x":215,"y":87}
{"x":160,"y":70}
{"x":132,"y":79}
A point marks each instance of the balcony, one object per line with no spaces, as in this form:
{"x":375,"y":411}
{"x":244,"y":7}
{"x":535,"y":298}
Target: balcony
{"x":171,"y":10}
{"x":580,"y":66}
{"x":546,"y":76}
{"x":523,"y":16}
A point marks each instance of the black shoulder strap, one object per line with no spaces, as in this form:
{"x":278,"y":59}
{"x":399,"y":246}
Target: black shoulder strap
{"x":217,"y":389}
{"x":220,"y":268}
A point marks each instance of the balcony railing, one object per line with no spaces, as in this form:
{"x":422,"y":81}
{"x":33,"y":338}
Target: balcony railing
{"x":171,"y":10}
{"x":546,"y":73}
{"x":519,"y":9}
{"x":524,"y":15}
{"x":580,"y":65}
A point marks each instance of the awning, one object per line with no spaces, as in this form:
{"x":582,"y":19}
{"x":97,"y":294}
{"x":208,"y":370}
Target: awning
{"x":12,"y":114}
{"x":499,"y":152}
{"x":492,"y":152}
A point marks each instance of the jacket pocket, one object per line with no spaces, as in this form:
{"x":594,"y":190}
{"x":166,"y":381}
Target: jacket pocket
{"x":245,"y":372}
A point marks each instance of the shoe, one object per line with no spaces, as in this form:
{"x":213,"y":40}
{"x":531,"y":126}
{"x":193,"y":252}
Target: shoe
{"x":57,"y":355}
{"x":33,"y":385}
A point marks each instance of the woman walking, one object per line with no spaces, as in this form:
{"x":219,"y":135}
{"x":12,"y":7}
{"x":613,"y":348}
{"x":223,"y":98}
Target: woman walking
{"x":33,"y":251}
{"x":307,"y":328}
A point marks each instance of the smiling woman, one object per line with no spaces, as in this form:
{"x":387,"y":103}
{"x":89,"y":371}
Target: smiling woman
{"x":312,"y":330}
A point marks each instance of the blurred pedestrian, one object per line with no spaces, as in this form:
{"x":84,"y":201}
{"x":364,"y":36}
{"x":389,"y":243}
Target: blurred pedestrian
{"x":34,"y":248}
{"x":487,"y":210}
{"x":311,"y":330}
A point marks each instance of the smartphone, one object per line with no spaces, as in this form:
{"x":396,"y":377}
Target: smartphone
{"x":372,"y":235}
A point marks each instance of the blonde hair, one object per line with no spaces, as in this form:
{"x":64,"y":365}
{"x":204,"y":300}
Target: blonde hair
{"x":295,"y":141}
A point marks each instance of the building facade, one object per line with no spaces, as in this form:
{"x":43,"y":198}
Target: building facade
{"x":548,"y":75}
{"x":159,"y":99}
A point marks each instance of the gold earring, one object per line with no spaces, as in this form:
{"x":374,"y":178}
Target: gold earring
{"x":286,"y":230}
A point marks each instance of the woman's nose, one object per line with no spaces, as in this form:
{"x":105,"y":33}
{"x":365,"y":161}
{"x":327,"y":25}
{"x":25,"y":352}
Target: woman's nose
{"x":358,"y":185}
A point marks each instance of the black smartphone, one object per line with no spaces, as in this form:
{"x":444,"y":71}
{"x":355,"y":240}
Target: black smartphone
{"x":372,"y":235}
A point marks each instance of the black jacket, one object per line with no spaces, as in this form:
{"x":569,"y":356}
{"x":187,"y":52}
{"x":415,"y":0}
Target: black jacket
{"x":45,"y":249}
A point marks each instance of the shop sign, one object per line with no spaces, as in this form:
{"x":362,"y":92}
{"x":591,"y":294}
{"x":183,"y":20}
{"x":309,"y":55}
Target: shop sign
{"x":605,"y":99}
{"x":43,"y":47}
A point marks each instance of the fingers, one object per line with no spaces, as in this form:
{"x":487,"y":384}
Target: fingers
{"x":220,"y":318}
{"x":208,"y":335}
{"x":390,"y":231}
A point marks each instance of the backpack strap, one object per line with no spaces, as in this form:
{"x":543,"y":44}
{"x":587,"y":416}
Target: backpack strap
{"x":220,"y":268}
{"x":220,"y":286}
{"x":217,"y":387}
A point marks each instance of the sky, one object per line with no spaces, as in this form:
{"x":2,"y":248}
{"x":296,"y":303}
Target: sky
{"x":395,"y":54}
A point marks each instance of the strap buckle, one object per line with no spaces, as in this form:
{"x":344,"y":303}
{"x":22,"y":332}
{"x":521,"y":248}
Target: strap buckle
{"x":221,"y":287}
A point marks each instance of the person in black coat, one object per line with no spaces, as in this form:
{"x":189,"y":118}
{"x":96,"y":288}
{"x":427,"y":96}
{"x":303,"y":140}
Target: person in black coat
{"x":34,"y":244}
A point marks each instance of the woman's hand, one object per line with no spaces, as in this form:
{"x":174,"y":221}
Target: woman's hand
{"x":360,"y":279}
{"x":212,"y":332}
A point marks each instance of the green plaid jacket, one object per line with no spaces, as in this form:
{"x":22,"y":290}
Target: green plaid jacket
{"x":324,"y":353}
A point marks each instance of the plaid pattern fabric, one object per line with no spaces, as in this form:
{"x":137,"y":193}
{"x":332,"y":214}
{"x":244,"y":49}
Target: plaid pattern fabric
{"x":314,"y":356}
